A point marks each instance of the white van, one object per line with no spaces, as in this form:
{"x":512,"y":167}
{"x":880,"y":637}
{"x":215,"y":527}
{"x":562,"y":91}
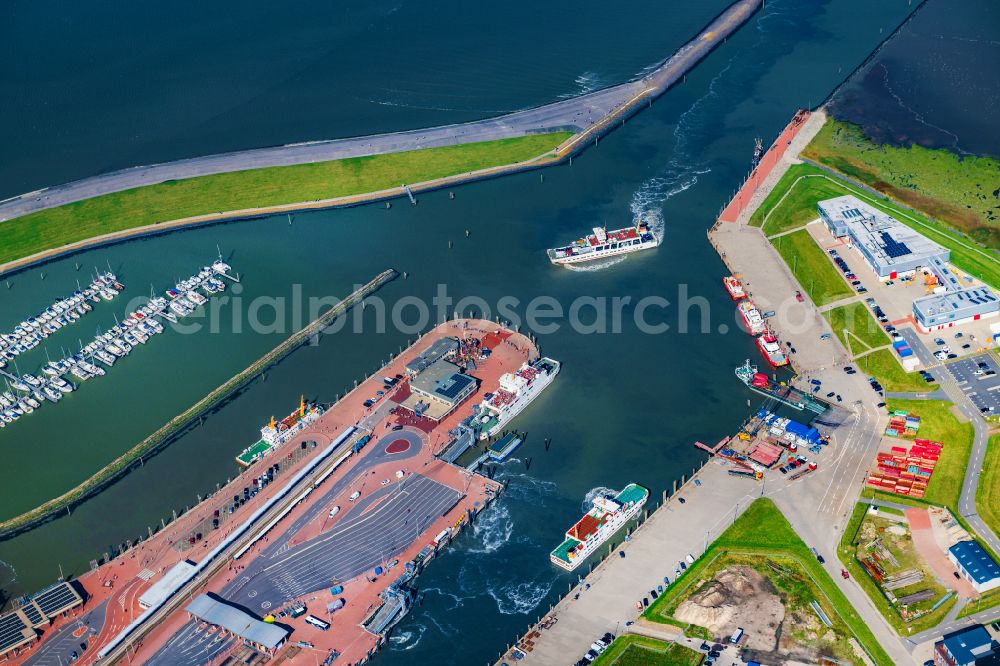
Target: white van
{"x":355,"y":495}
{"x":316,"y":622}
{"x":334,"y":511}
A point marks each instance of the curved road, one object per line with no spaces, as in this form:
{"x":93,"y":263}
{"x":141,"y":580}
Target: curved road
{"x":580,"y":114}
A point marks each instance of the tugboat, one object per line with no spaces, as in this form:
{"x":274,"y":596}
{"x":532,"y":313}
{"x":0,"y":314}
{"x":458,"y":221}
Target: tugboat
{"x":751,"y":317}
{"x":771,"y":349}
{"x":603,"y":243}
{"x":734,"y":286}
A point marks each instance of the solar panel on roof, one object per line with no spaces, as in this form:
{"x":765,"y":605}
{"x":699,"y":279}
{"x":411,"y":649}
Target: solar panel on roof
{"x":453,"y":386}
{"x":11,"y":631}
{"x":55,"y":599}
{"x":34,"y":616}
{"x":892,"y":247}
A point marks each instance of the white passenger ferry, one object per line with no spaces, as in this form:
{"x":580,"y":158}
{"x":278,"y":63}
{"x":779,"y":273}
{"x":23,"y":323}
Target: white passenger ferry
{"x":603,"y":243}
{"x":606,"y":517}
{"x":516,"y":392}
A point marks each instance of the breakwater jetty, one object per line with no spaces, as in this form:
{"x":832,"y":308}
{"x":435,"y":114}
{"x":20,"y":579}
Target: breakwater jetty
{"x":186,"y":420}
{"x":589,"y":116}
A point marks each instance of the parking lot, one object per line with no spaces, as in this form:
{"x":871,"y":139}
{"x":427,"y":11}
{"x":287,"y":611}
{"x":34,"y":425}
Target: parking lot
{"x":979,"y":377}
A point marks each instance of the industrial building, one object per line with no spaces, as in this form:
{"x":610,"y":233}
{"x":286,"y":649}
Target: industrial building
{"x":972,"y":646}
{"x":439,"y":389}
{"x":893,"y":251}
{"x":976,"y":565}
{"x":891,"y":248}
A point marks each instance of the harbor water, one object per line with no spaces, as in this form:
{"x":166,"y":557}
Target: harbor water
{"x":628,"y":403}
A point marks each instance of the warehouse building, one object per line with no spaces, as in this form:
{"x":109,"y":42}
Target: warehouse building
{"x":972,"y":646}
{"x":976,"y":565}
{"x":891,"y":248}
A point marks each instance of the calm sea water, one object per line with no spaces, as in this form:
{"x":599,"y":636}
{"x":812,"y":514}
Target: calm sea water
{"x":124,"y":86}
{"x":936,"y":83}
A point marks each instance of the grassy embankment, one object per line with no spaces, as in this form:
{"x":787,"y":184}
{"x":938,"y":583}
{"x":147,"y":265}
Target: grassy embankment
{"x":908,"y":559}
{"x":959,"y":191}
{"x":988,"y":492}
{"x":856,"y":328}
{"x":763,"y":531}
{"x":938,"y":423}
{"x":632,"y":650}
{"x":257,"y":188}
{"x":817,"y":275}
{"x":883,"y":366}
{"x":792,"y":203}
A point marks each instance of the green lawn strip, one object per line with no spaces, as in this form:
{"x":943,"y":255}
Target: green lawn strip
{"x":938,"y":423}
{"x":988,"y":492}
{"x":633,"y":650}
{"x":953,"y":188}
{"x":858,"y":321}
{"x":846,"y":553}
{"x":883,"y":366}
{"x":763,"y":529}
{"x":810,"y":184}
{"x":257,"y":188}
{"x":792,"y":204}
{"x":985,"y":602}
{"x":811,"y":268}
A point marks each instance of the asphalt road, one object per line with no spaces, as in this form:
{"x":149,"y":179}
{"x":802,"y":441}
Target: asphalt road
{"x":369,"y":535}
{"x":58,"y":648}
{"x":577,"y":114}
{"x":372,"y":533}
{"x":193,"y":645}
{"x":952,"y":377}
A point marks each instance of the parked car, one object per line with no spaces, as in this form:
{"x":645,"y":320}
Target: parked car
{"x":844,"y":574}
{"x":798,"y":296}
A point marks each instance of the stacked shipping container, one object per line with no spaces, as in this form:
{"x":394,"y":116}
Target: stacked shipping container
{"x":906,"y":472}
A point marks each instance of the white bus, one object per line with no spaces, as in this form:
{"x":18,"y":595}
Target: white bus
{"x":735,"y":638}
{"x":316,"y":622}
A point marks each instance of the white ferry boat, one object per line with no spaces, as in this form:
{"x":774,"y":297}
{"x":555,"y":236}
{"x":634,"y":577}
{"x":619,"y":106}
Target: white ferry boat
{"x":606,"y":517}
{"x":603,"y":243}
{"x":516,"y":392}
{"x":276,"y":433}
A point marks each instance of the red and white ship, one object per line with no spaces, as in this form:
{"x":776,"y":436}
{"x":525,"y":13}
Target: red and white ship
{"x":734,"y":286}
{"x":603,"y":243}
{"x":770,"y":347}
{"x":751,"y":317}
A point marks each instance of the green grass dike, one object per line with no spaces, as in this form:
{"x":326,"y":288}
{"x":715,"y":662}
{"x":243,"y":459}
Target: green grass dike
{"x":763,"y":539}
{"x":817,"y":274}
{"x":633,"y":650}
{"x":963,"y":191}
{"x":791,"y":204}
{"x":257,"y":188}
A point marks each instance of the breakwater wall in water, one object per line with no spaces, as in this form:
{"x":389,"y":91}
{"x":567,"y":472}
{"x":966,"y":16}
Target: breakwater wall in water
{"x":589,"y":116}
{"x":184,"y":421}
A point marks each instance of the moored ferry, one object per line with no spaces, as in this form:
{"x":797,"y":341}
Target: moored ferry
{"x":516,"y":391}
{"x":734,"y":285}
{"x":751,"y":317}
{"x":276,"y":433}
{"x":603,"y":243}
{"x":771,"y":349}
{"x":606,"y":516}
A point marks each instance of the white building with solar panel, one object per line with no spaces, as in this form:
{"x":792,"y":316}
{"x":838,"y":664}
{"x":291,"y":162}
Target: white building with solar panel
{"x":893,"y":250}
